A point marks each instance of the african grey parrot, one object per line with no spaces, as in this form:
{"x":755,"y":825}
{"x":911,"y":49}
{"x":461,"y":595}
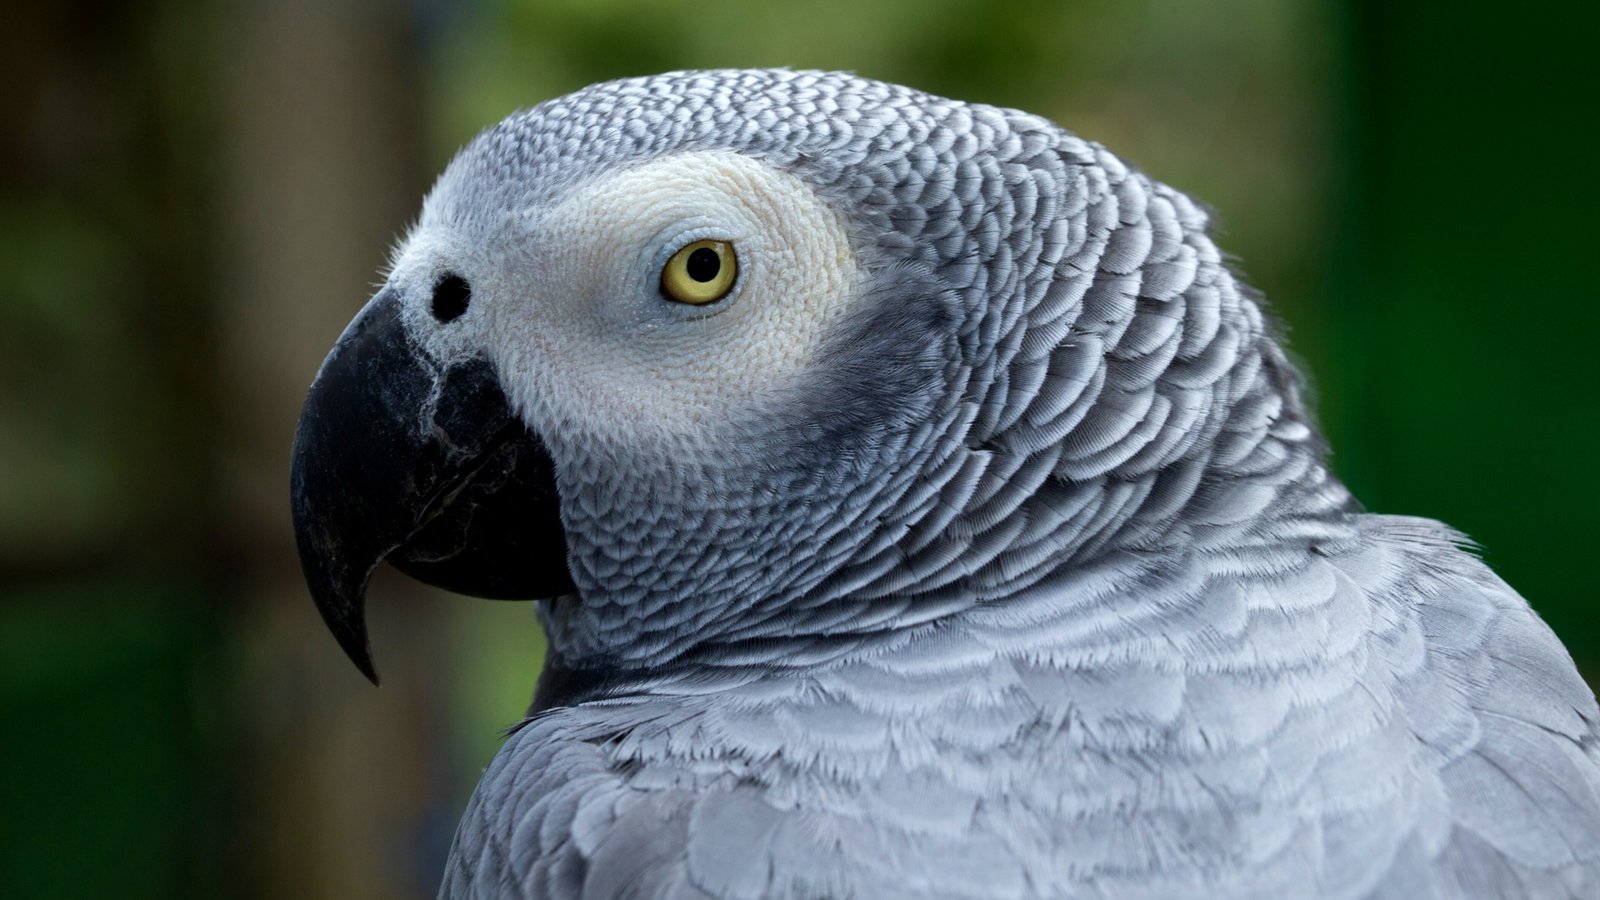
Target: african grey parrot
{"x":916,"y":506}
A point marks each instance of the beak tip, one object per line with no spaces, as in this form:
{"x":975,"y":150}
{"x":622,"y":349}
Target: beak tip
{"x":365,"y":664}
{"x":350,"y":630}
{"x":340,"y":597}
{"x":359,"y":650}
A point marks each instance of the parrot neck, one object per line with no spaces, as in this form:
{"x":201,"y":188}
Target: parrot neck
{"x":993,"y":528}
{"x":1262,"y":507}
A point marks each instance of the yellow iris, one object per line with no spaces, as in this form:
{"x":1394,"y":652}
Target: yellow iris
{"x":700,"y":273}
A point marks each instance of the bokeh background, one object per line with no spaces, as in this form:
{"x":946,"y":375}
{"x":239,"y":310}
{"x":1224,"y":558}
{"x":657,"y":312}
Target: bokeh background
{"x":195,"y":196}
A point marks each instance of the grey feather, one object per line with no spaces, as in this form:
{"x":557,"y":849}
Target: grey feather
{"x":1040,"y":587}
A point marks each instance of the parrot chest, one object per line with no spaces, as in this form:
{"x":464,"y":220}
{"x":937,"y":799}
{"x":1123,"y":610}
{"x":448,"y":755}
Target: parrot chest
{"x":1194,"y":738}
{"x":1005,"y":777}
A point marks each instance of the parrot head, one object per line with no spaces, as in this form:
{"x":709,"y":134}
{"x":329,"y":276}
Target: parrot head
{"x":706,"y":359}
{"x":621,"y":357}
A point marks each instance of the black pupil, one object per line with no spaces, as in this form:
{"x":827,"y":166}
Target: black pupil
{"x":703,"y":264}
{"x":450,"y":297}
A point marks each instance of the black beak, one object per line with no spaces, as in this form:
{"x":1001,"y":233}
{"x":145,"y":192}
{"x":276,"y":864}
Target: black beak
{"x":397,"y":457}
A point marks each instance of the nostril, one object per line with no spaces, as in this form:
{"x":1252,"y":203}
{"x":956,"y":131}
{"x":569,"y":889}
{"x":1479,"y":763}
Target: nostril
{"x":450,"y":297}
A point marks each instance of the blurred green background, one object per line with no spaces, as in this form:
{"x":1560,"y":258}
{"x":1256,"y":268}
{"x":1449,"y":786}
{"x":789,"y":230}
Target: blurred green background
{"x":194,"y":199}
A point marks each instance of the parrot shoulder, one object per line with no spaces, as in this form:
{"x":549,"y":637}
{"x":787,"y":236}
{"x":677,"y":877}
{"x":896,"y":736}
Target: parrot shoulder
{"x":553,"y":819}
{"x":1504,"y":719}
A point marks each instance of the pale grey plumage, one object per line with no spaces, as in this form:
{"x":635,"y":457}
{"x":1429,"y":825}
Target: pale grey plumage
{"x":1039,"y":587}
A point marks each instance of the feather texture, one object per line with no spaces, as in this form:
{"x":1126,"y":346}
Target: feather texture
{"x":1388,"y":721}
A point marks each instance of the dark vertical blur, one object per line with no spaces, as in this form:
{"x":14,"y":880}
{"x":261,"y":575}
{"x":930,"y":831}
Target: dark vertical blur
{"x":196,"y":195}
{"x":108,"y":392}
{"x":1463,"y":289}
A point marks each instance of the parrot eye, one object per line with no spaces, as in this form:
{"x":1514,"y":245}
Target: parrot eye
{"x":700,"y":273}
{"x":450,"y":297}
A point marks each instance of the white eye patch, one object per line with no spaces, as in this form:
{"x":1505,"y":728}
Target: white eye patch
{"x":591,"y":339}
